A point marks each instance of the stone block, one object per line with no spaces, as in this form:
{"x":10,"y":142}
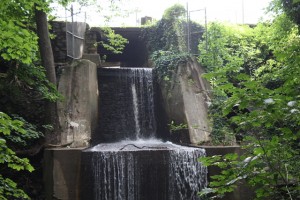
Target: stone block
{"x":62,"y":173}
{"x":184,"y":100}
{"x":78,"y":111}
{"x":95,"y":58}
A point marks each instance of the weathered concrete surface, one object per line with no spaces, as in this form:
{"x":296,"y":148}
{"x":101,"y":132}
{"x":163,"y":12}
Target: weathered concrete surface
{"x":62,"y":173}
{"x":184,"y":99}
{"x":78,"y":111}
{"x":95,"y":58}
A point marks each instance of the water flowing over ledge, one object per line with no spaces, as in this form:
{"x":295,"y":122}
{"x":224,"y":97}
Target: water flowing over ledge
{"x":142,"y":169}
{"x":136,"y":166}
{"x":126,"y":107}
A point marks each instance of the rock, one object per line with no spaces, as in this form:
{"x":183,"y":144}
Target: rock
{"x":184,"y":99}
{"x":78,"y":111}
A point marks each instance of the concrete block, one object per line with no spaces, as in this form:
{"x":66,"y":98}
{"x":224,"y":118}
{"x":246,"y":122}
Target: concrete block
{"x":78,"y":111}
{"x":62,"y":173}
{"x":95,"y":58}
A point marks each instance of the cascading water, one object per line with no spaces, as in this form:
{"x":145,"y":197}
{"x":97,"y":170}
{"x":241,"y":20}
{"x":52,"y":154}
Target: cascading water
{"x":136,"y":112}
{"x":126,"y":105}
{"x":143,"y":103}
{"x":136,"y":167}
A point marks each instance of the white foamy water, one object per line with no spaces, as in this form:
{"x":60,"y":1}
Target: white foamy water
{"x":136,"y":112}
{"x":142,"y":144}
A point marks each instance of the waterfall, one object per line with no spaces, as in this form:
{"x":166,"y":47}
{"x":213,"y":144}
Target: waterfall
{"x":126,"y":104}
{"x":143,"y":169}
{"x":134,"y":166}
{"x":143,"y":103}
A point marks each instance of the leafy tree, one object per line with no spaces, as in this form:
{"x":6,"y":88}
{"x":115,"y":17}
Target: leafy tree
{"x":258,"y":71}
{"x":166,"y":41}
{"x":113,"y":42}
{"x":174,"y":12}
{"x":23,"y":81}
{"x":234,"y":52}
{"x":290,"y":7}
{"x":8,"y":188}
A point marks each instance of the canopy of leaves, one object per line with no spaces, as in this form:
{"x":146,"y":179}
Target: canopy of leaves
{"x":23,"y":88}
{"x":167,"y":41}
{"x":174,"y":12}
{"x":112,"y":41}
{"x":292,"y":9}
{"x":257,"y":69}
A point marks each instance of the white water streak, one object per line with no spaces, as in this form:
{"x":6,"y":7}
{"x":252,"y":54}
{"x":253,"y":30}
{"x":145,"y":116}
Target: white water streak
{"x":136,"y":111}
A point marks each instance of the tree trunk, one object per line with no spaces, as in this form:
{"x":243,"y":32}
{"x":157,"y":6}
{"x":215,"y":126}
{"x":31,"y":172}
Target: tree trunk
{"x":47,"y":58}
{"x":45,"y":45}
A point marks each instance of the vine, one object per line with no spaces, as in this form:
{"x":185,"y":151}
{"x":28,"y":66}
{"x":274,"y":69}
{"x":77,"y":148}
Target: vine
{"x":166,"y":41}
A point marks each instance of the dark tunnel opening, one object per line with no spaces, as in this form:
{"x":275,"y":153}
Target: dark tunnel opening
{"x":135,"y":53}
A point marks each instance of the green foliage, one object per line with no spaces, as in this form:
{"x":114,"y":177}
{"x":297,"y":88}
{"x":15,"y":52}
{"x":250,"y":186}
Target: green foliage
{"x":21,"y":46}
{"x":233,"y":46}
{"x":268,"y":165}
{"x":257,"y":69}
{"x":175,"y":127}
{"x":166,"y":41}
{"x":168,"y":33}
{"x":30,"y":79}
{"x":9,"y":188}
{"x":114,"y":42}
{"x":232,"y":55}
{"x":222,"y":133}
{"x":174,"y":12}
{"x":17,"y":38}
{"x":167,"y":62}
{"x":8,"y":158}
{"x":292,"y":9}
{"x":23,"y":88}
{"x":24,"y":139}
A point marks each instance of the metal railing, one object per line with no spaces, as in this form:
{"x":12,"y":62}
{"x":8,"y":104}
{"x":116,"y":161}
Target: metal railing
{"x":75,"y":32}
{"x":189,"y":33}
